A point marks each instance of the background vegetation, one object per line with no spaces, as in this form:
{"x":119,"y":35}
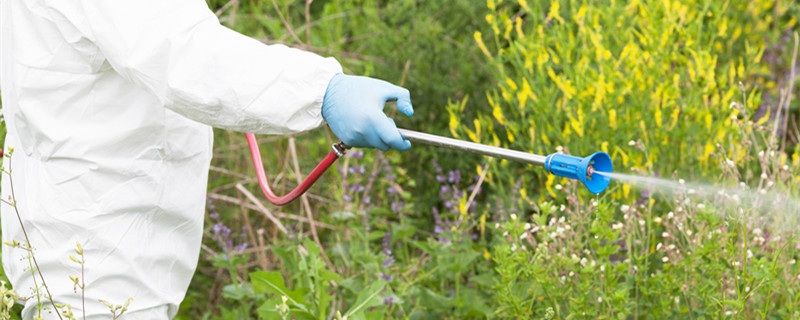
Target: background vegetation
{"x":691,"y":90}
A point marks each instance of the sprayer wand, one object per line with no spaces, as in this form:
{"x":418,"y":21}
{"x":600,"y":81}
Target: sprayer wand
{"x":582,"y":169}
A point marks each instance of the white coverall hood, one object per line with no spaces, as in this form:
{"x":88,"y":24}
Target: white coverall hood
{"x":108,"y":106}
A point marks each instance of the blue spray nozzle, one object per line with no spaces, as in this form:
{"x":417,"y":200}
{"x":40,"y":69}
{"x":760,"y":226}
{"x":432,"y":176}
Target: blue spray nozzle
{"x":583,"y":169}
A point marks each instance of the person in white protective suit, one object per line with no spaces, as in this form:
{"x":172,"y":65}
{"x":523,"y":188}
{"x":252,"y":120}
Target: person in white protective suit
{"x":109,"y":104}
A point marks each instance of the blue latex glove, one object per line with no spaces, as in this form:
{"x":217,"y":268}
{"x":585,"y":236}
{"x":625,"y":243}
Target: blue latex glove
{"x":353,"y":108}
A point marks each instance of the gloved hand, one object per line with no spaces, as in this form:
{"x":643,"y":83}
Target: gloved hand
{"x":353,"y":108}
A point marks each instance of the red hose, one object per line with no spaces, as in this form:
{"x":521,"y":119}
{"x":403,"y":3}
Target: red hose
{"x":299,"y":190}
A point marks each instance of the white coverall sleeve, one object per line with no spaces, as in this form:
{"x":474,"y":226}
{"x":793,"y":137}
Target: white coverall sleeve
{"x":200,"y":69}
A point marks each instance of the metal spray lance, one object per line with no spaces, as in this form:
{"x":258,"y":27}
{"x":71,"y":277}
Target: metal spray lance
{"x":584,"y":169}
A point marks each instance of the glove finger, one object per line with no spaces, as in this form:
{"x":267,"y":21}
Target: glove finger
{"x":390,"y":136}
{"x":403,"y":97}
{"x":374,"y":140}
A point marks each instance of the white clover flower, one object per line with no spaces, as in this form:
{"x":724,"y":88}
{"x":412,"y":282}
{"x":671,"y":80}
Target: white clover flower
{"x":761,"y":154}
{"x":631,"y":143}
{"x":535,"y":229}
{"x":762,"y":191}
{"x":560,"y":230}
{"x":680,"y":209}
{"x":571,"y":274}
{"x":757,"y":231}
{"x":658,"y":246}
{"x":641,"y":223}
{"x":594,"y":204}
{"x":559,"y":187}
{"x":670,"y":215}
{"x":568,"y":227}
{"x":665,"y":259}
{"x":559,"y":149}
{"x":625,"y":208}
{"x":671,"y":247}
{"x":523,"y":236}
{"x":561,"y":220}
{"x":792,"y":262}
{"x":785,"y":167}
{"x":514,"y":247}
{"x":574,"y":257}
{"x":749,"y":254}
{"x":736,"y":263}
{"x":657,"y":220}
{"x":602,"y":267}
{"x":689,"y":232}
{"x":665,"y":235}
{"x":599,"y":300}
{"x":770,"y":184}
{"x":701,"y":206}
{"x":681,"y":181}
{"x":747,"y":289}
{"x":562,"y":208}
{"x":677,"y":300}
{"x":763,"y":175}
{"x":617,"y":226}
{"x":742,"y":184}
{"x":505,"y":233}
{"x":513,"y":216}
{"x":527,"y":226}
{"x":497,"y":225}
{"x":584,"y":261}
{"x":625,"y":216}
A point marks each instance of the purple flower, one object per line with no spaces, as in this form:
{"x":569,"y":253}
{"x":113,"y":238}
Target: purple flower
{"x":241,"y":246}
{"x":347,"y":198}
{"x":387,"y":277}
{"x":454,"y":176}
{"x":214,"y":215}
{"x":211,"y":207}
{"x":438,"y":229}
{"x":444,"y":189}
{"x":388,"y":300}
{"x":366,"y":199}
{"x":392,"y":190}
{"x":390,"y":177}
{"x":388,"y":261}
{"x":397,"y":206}
{"x":216,"y":228}
{"x":357,"y":154}
{"x":441,"y":178}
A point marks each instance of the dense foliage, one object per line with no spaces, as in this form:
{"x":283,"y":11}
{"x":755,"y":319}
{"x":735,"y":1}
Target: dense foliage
{"x":692,"y":90}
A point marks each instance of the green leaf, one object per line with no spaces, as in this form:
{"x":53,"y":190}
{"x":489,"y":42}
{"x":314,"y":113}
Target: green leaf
{"x":269,"y":310}
{"x":328,"y":275}
{"x":343,"y":215}
{"x":237,"y":292}
{"x":272,"y":282}
{"x":367,"y":298}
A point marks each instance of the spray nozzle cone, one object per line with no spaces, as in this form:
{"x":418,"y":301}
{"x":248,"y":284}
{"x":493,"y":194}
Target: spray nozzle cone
{"x":583,"y":169}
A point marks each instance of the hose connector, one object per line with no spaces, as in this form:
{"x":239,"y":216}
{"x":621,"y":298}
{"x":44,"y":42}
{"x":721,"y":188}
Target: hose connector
{"x":582,"y":169}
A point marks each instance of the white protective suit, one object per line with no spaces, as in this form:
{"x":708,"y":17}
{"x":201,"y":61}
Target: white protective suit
{"x":108,"y":105}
